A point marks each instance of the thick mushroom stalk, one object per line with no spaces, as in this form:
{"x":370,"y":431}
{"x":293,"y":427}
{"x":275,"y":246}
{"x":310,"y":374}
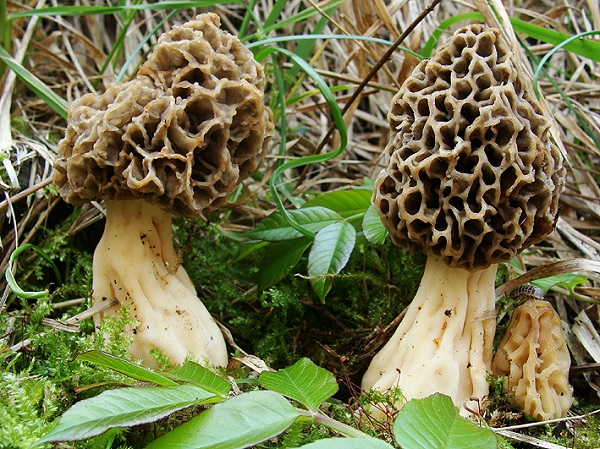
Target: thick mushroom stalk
{"x":444,"y":342}
{"x":472,"y":179}
{"x":135,"y":262}
{"x":178,"y":138}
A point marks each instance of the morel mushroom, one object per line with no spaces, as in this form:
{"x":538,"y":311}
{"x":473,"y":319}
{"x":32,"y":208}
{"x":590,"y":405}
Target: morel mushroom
{"x":473,"y":178}
{"x":535,"y":362}
{"x":177,"y":138}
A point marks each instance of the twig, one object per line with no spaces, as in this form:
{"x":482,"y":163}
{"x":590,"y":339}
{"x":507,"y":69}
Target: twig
{"x":25,"y":193}
{"x":386,"y":56}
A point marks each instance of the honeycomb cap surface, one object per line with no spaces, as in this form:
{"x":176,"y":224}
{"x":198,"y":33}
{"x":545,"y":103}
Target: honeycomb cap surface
{"x":182,"y":134}
{"x":473,"y":176}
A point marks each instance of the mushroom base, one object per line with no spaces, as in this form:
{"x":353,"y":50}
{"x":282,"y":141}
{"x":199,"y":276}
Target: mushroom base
{"x":444,"y":343}
{"x":135,"y":262}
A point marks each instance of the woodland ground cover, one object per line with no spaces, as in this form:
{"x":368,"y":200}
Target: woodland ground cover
{"x":279,"y":305}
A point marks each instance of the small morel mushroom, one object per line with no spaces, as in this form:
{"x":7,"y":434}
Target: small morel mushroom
{"x":472,"y":179}
{"x":535,"y":362}
{"x":177,"y":138}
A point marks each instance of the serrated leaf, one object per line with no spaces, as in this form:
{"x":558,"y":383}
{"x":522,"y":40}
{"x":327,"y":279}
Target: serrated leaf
{"x":434,"y":423}
{"x":345,"y":202}
{"x":279,"y":259}
{"x":373,"y":228}
{"x":304,"y":382}
{"x":329,"y":253}
{"x":348,"y":443}
{"x":202,"y":377}
{"x":274,"y":228}
{"x":125,"y":367}
{"x":239,"y":422}
{"x":123,"y":407}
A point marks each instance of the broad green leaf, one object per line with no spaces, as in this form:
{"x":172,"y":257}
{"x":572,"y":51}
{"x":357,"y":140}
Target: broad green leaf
{"x":434,"y":423}
{"x":275,"y":227}
{"x":123,"y":407}
{"x":566,"y":280}
{"x":347,"y":203}
{"x":330,"y":252}
{"x":373,"y":228}
{"x":202,"y":377}
{"x":239,"y":422}
{"x":304,"y":381}
{"x":348,"y":443}
{"x":124,"y":367}
{"x":279,"y":259}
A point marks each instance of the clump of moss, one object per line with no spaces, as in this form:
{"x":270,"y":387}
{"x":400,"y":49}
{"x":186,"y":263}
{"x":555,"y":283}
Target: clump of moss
{"x":288,"y":321}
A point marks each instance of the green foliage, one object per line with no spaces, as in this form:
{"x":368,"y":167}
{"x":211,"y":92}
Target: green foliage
{"x":34,"y":390}
{"x":333,"y":222}
{"x":27,"y":405}
{"x":250,"y":418}
{"x":304,"y":382}
{"x":565,"y":280}
{"x":10,"y":279}
{"x":434,"y":422}
{"x":329,"y":253}
{"x":586,"y":48}
{"x":124,"y":407}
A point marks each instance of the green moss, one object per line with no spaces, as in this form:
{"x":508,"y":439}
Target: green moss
{"x":288,"y":321}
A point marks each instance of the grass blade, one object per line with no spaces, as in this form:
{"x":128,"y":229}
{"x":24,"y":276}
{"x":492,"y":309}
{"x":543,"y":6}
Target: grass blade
{"x":51,"y":98}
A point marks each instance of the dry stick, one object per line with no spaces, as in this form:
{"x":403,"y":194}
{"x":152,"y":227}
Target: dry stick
{"x":386,"y":56}
{"x":25,"y":193}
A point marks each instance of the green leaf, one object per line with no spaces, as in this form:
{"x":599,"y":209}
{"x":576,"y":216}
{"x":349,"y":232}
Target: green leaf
{"x":239,"y":422}
{"x":434,"y":423}
{"x":330,"y":252}
{"x":275,"y":227}
{"x":279,"y":259}
{"x":304,"y":382}
{"x":123,"y":407}
{"x":373,"y":228}
{"x":566,"y":280}
{"x":124,"y":367}
{"x":348,"y":443}
{"x":202,"y":377}
{"x":347,"y":203}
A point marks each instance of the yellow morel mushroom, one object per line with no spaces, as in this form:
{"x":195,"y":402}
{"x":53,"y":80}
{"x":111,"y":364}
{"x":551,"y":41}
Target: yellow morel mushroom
{"x":472,"y":179}
{"x":535,"y":362}
{"x":176,"y":139}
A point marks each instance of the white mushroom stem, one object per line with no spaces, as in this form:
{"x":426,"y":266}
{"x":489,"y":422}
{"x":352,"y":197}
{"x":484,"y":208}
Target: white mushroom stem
{"x":135,"y":262}
{"x":444,"y":342}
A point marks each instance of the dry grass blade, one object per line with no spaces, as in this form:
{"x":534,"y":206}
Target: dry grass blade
{"x":588,"y":336}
